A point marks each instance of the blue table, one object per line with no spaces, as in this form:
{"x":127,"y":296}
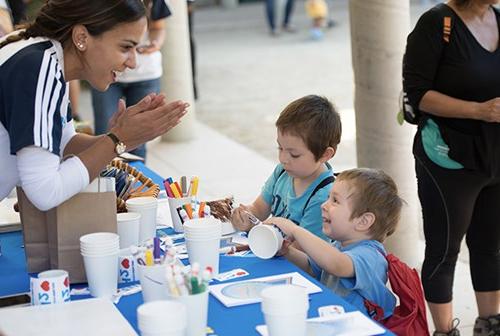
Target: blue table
{"x":224,"y":321}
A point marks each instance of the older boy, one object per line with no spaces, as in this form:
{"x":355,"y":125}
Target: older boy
{"x":309,"y":131}
{"x":362,"y":210}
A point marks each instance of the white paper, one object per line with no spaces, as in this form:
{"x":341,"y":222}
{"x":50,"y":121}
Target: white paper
{"x":75,"y":318}
{"x":228,"y":301}
{"x":348,"y":324}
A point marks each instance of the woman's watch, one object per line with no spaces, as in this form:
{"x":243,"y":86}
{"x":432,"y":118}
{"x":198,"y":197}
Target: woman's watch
{"x":120,"y":147}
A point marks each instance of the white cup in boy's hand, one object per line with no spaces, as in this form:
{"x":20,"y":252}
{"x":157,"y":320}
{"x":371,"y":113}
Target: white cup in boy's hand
{"x":265,"y":240}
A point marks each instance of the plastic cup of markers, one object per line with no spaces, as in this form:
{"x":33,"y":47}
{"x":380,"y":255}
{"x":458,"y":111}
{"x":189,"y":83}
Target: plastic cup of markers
{"x":285,"y":310}
{"x":197,"y":307}
{"x":127,"y":267}
{"x":127,"y":226}
{"x":50,"y":287}
{"x":153,"y":282}
{"x":173,"y":204}
{"x":166,"y":318}
{"x":147,"y":207}
{"x":265,"y":240}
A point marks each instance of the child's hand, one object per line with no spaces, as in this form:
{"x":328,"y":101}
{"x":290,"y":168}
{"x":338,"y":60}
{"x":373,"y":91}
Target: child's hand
{"x":284,"y":248}
{"x":240,"y":220}
{"x":285,"y":225}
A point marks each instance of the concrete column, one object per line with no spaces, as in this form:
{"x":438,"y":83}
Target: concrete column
{"x":378,"y":38}
{"x":229,"y":3}
{"x":177,"y":82}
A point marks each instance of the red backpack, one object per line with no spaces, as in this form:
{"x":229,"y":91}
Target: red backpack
{"x":409,"y":318}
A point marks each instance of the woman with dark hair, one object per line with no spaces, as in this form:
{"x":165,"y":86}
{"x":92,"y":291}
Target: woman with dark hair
{"x":451,"y":78}
{"x":93,"y":40}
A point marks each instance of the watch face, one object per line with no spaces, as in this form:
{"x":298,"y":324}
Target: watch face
{"x":120,"y":148}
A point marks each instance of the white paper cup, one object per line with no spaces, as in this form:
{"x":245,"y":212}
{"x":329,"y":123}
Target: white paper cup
{"x":101,"y":274}
{"x":153,"y":282}
{"x":285,"y":310}
{"x":265,"y":240}
{"x":50,"y":287}
{"x":166,"y":318}
{"x":127,"y":267}
{"x":128,"y":224}
{"x":197,"y":308}
{"x":173,"y":204}
{"x":204,"y":252}
{"x":146,"y":206}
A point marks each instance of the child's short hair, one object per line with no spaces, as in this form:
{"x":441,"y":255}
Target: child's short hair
{"x":315,"y":120}
{"x":376,"y":192}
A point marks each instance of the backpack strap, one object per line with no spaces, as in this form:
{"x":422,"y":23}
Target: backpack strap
{"x":326,"y":181}
{"x":446,"y":28}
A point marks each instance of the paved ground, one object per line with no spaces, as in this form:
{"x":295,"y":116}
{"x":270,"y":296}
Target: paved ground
{"x":245,"y":78}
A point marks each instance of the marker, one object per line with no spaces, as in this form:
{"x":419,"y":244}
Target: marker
{"x":234,"y":249}
{"x":195,"y":288}
{"x":184,"y":186}
{"x":149,"y":258}
{"x":206,"y":277}
{"x":175,"y":191}
{"x":156,"y":250}
{"x":206,"y":211}
{"x":195,"y":181}
{"x":168,"y":190}
{"x":201,"y":209}
{"x":172,"y":288}
{"x":184,"y":215}
{"x":189,"y":209}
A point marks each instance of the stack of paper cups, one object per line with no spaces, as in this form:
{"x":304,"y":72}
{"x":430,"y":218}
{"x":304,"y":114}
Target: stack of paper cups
{"x":146,"y":206}
{"x":100,"y":258}
{"x":202,"y":237}
{"x":285,"y":310}
{"x":162,"y":318}
{"x":127,"y":226}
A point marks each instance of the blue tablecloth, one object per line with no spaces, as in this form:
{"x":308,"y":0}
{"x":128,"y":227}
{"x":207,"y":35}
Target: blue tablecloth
{"x":224,"y":321}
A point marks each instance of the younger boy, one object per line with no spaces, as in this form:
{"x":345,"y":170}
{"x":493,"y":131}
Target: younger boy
{"x":309,"y":131}
{"x":362,"y":210}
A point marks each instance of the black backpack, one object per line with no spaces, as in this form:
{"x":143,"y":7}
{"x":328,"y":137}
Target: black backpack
{"x":411,"y":115}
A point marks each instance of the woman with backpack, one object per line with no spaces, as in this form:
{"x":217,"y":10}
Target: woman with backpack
{"x":451,"y":81}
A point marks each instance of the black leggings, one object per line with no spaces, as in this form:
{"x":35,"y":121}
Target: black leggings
{"x":457,"y":203}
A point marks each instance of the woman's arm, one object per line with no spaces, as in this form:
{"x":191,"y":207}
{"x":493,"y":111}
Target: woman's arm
{"x":441,"y":105}
{"x":156,"y":34}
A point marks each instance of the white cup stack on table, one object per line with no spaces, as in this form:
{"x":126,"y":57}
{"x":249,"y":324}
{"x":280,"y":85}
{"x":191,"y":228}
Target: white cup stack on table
{"x":162,"y":318}
{"x":50,"y":287}
{"x":147,"y":207}
{"x":128,"y":225}
{"x":202,"y":237}
{"x":265,"y":240}
{"x":100,"y":257}
{"x":173,"y":204}
{"x":285,"y":310}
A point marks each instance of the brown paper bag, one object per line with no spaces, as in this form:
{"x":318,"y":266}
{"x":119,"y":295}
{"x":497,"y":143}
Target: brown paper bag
{"x":34,"y":225}
{"x":63,"y":226}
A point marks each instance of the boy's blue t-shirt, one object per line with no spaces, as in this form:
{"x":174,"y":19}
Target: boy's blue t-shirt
{"x":370,"y":276}
{"x":279,"y":193}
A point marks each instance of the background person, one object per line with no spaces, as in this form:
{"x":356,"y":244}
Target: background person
{"x":451,"y":72}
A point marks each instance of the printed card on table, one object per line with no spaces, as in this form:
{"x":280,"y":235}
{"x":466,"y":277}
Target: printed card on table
{"x":248,"y":291}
